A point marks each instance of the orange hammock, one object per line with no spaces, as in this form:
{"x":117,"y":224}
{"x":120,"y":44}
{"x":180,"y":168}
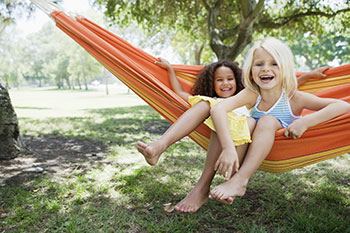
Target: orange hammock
{"x":136,"y":69}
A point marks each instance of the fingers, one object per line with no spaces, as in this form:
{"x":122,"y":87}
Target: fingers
{"x":228,"y":173}
{"x":319,"y":72}
{"x":291,"y":134}
{"x":235,"y":166}
{"x":286,"y":133}
{"x":216,"y":165}
{"x":323,"y":69}
{"x":223,"y":169}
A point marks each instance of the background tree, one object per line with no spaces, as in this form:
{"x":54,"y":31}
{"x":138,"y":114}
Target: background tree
{"x":9,"y":131}
{"x":10,"y":145}
{"x":83,"y":67}
{"x":330,"y":47}
{"x":229,"y":26}
{"x":9,"y":9}
{"x":10,"y":58}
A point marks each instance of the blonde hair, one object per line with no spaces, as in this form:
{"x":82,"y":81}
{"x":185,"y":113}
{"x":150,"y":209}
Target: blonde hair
{"x":284,"y":59}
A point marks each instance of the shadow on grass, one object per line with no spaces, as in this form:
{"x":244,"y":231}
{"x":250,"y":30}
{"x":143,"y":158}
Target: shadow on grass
{"x":60,"y":145}
{"x":273,"y":203}
{"x":57,"y":155}
{"x":120,"y":193}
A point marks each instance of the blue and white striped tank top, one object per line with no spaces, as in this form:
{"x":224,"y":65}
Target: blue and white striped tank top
{"x":281,"y":110}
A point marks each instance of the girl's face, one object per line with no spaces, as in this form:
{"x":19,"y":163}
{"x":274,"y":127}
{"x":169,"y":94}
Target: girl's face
{"x":224,"y":82}
{"x":265,"y":71}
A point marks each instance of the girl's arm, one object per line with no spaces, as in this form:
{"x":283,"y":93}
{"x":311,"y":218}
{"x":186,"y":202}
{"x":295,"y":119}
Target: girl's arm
{"x":316,"y":73}
{"x":326,"y":109}
{"x":174,"y":82}
{"x":228,"y":160}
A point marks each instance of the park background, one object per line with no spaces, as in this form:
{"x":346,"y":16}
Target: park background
{"x":80,"y":171}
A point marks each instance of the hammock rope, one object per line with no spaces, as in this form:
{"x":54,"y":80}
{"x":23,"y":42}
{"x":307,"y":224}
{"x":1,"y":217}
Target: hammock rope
{"x":138,"y":71}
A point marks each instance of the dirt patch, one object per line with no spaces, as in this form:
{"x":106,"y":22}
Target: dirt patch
{"x":51,"y":154}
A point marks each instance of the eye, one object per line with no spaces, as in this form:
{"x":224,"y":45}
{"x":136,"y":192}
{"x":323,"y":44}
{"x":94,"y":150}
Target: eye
{"x":274,"y":64}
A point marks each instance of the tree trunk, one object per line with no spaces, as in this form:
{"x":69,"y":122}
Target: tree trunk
{"x":78,"y":80}
{"x":243,"y":32}
{"x":85,"y":83}
{"x":9,"y":131}
{"x":198,"y":53}
{"x":68,"y":82}
{"x":105,"y":77}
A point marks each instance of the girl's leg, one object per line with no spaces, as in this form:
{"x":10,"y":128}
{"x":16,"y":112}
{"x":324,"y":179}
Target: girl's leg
{"x":262,"y":142}
{"x":241,"y":152}
{"x":199,"y":194}
{"x":188,"y":122}
{"x":242,"y":149}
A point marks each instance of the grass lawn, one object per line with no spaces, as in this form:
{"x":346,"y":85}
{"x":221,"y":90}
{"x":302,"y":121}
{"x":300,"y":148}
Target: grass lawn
{"x":109,"y":187}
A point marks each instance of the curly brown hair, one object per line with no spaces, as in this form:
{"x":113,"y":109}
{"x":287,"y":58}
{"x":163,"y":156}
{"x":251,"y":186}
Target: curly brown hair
{"x":205,"y":79}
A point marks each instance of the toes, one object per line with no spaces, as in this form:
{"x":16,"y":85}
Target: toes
{"x":230,"y":200}
{"x":224,"y":201}
{"x":141,"y":145}
{"x":178,"y":207}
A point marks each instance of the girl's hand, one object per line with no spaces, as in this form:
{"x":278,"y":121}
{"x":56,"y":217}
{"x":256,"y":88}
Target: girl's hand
{"x":318,"y":72}
{"x":227,"y":163}
{"x":164,"y":63}
{"x":296,"y":129}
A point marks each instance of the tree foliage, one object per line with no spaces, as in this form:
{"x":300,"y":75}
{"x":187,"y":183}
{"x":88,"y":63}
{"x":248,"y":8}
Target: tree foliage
{"x":229,"y":26}
{"x":319,"y":51}
{"x":10,"y":10}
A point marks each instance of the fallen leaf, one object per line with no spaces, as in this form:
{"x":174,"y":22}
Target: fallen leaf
{"x":168,"y":207}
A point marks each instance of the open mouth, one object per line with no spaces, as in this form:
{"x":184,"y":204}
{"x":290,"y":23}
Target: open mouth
{"x":266,"y":78}
{"x":226,"y":89}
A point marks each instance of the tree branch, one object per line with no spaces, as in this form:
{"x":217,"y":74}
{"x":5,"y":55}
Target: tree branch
{"x":218,"y":4}
{"x":229,"y":32}
{"x":257,"y":8}
{"x":285,"y":20}
{"x":206,"y":5}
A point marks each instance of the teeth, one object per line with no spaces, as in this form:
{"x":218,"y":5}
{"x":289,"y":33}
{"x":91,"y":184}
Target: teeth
{"x":266,"y":77}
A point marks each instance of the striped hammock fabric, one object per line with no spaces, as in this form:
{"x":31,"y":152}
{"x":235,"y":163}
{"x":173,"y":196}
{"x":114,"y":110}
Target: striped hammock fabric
{"x":136,"y":69}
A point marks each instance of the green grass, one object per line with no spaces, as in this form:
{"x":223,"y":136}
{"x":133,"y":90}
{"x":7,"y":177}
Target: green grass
{"x":124,"y":194}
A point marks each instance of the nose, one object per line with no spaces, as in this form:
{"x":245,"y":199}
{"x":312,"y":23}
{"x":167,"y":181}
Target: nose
{"x":226,"y":82}
{"x":266,"y":67}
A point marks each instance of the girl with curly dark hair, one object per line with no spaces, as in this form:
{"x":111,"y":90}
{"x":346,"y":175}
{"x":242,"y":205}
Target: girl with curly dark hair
{"x":215,"y":81}
{"x":206,"y":83}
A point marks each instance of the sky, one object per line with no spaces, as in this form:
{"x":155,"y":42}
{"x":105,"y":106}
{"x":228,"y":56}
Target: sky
{"x":39,"y":18}
{"x":80,"y":7}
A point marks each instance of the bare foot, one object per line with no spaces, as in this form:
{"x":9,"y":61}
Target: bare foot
{"x":151,"y":151}
{"x":227,"y":191}
{"x":193,"y":201}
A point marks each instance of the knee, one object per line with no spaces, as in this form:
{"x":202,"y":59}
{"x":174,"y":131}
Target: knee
{"x":251,"y":124}
{"x":203,"y":105}
{"x":268,"y":122}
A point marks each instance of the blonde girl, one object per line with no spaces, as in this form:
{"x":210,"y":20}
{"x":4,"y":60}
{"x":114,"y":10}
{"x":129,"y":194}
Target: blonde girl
{"x":271,"y":94}
{"x":215,"y":82}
